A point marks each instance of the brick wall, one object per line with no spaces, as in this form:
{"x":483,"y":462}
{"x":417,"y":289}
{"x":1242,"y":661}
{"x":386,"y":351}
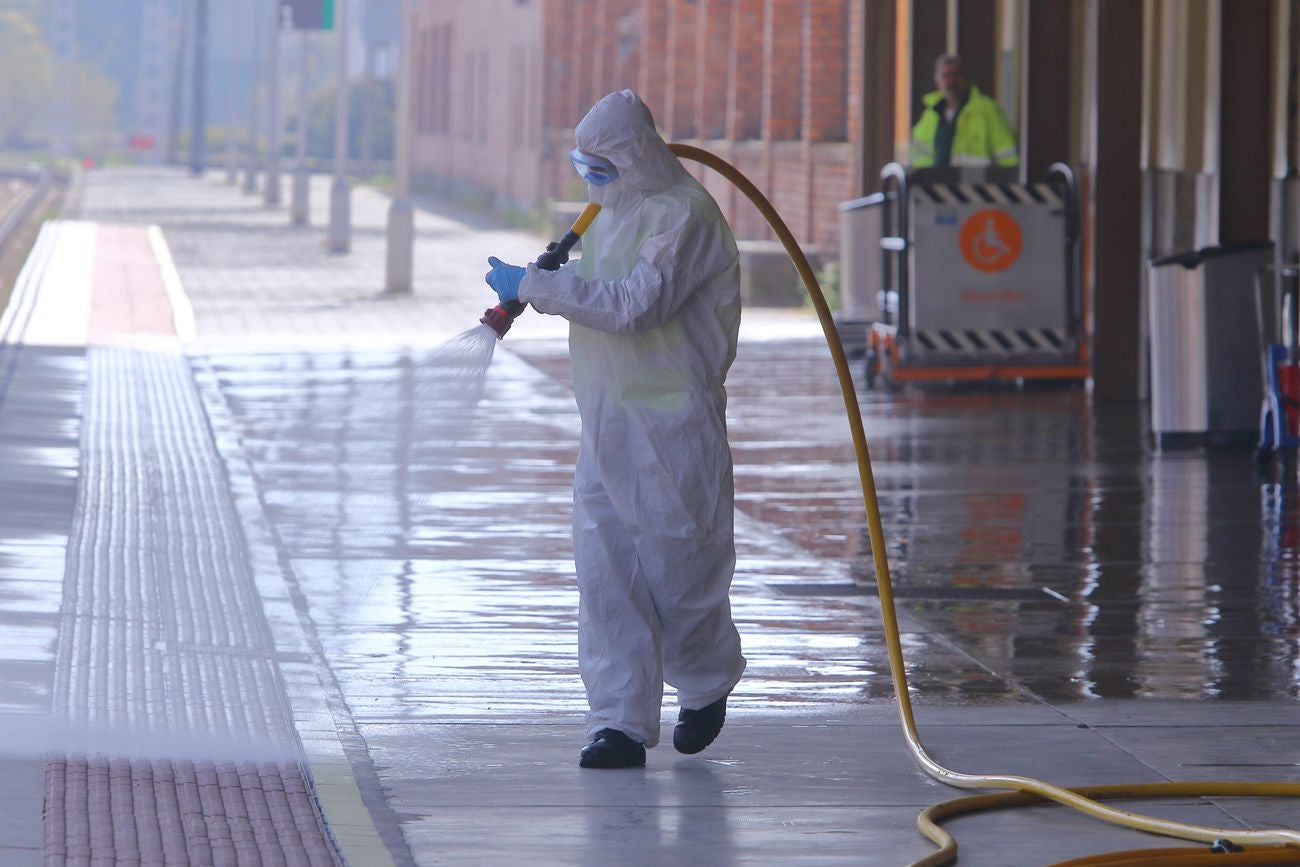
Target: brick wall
{"x":783,"y":69}
{"x":678,"y":115}
{"x":768,"y":84}
{"x":474,"y":60}
{"x":790,"y":171}
{"x":832,"y":176}
{"x":558,"y":62}
{"x":749,"y":157}
{"x":825,"y":53}
{"x":713,"y":44}
{"x":653,"y":36}
{"x":745,"y":71}
{"x":810,"y":184}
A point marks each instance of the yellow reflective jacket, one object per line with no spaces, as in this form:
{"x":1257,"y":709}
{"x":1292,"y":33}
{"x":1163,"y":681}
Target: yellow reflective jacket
{"x":982,"y":137}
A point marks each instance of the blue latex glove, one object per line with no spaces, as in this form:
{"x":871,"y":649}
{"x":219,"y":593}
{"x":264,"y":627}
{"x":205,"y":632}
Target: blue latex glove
{"x":504,"y":279}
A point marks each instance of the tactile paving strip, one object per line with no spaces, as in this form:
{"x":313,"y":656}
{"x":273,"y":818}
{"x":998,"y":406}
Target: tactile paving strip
{"x":180,"y":746}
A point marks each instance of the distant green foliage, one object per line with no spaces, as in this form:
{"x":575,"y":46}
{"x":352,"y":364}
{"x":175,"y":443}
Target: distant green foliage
{"x":28,"y":91}
{"x":320,"y":123}
{"x":25,"y":75}
{"x":828,"y":277}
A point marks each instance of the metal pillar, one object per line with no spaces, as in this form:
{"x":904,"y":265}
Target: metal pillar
{"x":301,"y":208}
{"x":199,"y":120}
{"x":401,"y":217}
{"x":1117,"y":198}
{"x":254,"y":134}
{"x":368,"y":112}
{"x":340,"y":234}
{"x":1044,"y":124}
{"x":174,"y":122}
{"x":929,"y":30}
{"x":875,"y":117}
{"x":1245,"y":125}
{"x":976,"y":39}
{"x":271,"y":190}
{"x":157,"y":23}
{"x":234,"y":73}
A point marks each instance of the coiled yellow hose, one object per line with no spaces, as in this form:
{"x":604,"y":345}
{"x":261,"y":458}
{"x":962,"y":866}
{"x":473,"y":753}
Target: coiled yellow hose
{"x":1281,"y":843}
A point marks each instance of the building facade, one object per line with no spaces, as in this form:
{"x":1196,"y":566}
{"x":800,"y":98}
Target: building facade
{"x":477,"y":98}
{"x":770,"y":85}
{"x":1178,"y":116}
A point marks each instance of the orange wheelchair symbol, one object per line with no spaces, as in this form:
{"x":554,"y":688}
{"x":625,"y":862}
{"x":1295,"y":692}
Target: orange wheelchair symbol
{"x":990,"y":240}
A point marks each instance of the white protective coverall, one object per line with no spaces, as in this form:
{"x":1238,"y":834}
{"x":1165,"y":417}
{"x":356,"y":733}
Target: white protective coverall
{"x":654,"y":310}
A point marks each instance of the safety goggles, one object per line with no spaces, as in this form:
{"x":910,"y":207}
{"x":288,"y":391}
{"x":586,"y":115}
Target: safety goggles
{"x":595,"y":170}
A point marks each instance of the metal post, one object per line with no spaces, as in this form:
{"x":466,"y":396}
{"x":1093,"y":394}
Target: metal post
{"x":149,"y":120}
{"x":298,"y":212}
{"x":340,"y":236}
{"x":174,"y":122}
{"x":233,"y":74}
{"x":271,"y":191}
{"x":401,"y":218}
{"x":368,"y":112}
{"x":199,"y":127}
{"x":254,"y":134}
{"x":64,"y":121}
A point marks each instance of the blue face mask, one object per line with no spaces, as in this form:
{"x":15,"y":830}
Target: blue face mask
{"x":595,"y":170}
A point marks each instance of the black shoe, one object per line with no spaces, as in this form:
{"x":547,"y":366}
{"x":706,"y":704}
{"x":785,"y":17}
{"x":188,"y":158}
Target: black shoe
{"x":696,"y":729}
{"x":612,"y":749}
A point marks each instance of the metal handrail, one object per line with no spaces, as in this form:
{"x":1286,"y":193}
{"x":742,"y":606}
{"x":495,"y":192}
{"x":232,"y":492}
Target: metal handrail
{"x":1286,"y":317}
{"x":18,"y":216}
{"x":894,"y":243}
{"x":1065,"y":175}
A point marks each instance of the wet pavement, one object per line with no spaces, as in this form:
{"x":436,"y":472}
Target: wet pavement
{"x":1074,"y":606}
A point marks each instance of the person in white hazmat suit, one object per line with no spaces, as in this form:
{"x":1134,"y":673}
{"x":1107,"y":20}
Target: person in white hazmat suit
{"x":654,"y":310}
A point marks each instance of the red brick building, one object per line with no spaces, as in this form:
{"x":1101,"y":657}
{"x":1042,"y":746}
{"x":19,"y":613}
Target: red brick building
{"x":477,"y":98}
{"x":768,"y":84}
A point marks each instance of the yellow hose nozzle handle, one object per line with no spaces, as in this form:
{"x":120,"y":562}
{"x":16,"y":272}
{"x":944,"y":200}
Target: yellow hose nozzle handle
{"x":583,"y":222}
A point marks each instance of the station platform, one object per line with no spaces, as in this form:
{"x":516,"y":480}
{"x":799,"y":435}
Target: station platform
{"x":266,"y":604}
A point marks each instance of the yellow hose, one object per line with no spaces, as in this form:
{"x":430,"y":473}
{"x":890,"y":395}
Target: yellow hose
{"x":1080,"y":799}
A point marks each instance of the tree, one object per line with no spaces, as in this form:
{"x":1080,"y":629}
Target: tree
{"x":25,"y":76}
{"x":320,"y":120}
{"x":28,"y":86}
{"x":95,"y":102}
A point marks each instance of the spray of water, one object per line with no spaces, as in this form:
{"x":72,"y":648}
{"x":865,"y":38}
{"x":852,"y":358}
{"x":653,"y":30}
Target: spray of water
{"x":409,"y":426}
{"x":387,"y":423}
{"x":449,"y":387}
{"x":452,"y":382}
{"x":459,"y":372}
{"x":426,"y":400}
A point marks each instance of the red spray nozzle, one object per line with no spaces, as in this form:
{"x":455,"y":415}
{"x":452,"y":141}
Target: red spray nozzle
{"x":501,"y":317}
{"x":498,"y":319}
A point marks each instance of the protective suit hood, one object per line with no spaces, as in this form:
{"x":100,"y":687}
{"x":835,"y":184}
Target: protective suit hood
{"x":621,"y":129}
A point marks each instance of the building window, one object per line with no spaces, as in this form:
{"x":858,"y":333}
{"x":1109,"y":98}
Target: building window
{"x":484,"y":73}
{"x":428,"y":83}
{"x":517,"y":106}
{"x":433,"y":65}
{"x":442,"y":111}
{"x":467,"y":112}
